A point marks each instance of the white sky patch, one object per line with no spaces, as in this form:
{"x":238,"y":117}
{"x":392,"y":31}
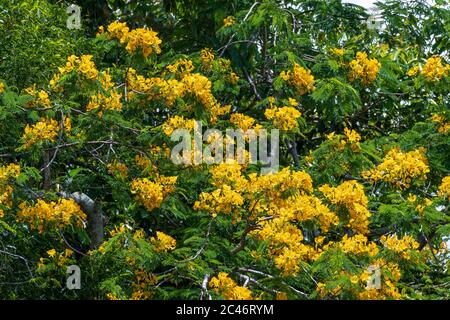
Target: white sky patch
{"x":363,"y":3}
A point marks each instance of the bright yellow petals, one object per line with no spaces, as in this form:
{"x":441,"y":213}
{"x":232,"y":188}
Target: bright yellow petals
{"x":223,"y":200}
{"x":177,"y":122}
{"x":7,"y":173}
{"x":118,"y":30}
{"x":350,"y":195}
{"x":102,"y":102}
{"x":299,"y":78}
{"x":444,"y":126}
{"x":337,"y":51}
{"x":40,"y":98}
{"x":163,"y":242}
{"x":358,"y":245}
{"x":400,"y":168}
{"x":2,"y":87}
{"x":364,"y":69}
{"x":228,"y":289}
{"x":84,"y":65}
{"x":444,"y":188}
{"x":181,"y":67}
{"x":284,"y":118}
{"x":57,"y":214}
{"x":144,"y":39}
{"x":434,"y":70}
{"x":242,"y":121}
{"x":45,"y":130}
{"x":402,"y":246}
{"x":152,"y":193}
{"x":229,"y":21}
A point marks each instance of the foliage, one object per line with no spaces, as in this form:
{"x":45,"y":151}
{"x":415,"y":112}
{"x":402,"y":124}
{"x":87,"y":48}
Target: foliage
{"x":86,"y":176}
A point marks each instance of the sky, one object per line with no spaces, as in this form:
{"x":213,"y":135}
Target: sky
{"x":364,"y":3}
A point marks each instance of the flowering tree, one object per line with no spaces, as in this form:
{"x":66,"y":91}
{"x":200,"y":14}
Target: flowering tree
{"x":358,"y":208}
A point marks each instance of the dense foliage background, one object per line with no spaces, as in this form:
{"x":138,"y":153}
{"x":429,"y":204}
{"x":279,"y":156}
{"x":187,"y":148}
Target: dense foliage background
{"x":86,"y":177}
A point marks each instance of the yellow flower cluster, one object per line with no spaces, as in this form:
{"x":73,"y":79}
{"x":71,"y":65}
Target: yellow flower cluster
{"x":61,"y":259}
{"x":357,"y":244}
{"x":285,"y":244}
{"x":181,"y":67}
{"x":155,"y":88}
{"x":284,"y":118}
{"x":142,"y":285}
{"x":152,"y":193}
{"x":444,"y":188}
{"x":117,"y":30}
{"x":434,"y":70}
{"x":282,"y":201}
{"x":352,"y":139}
{"x":390,"y":275}
{"x":400,"y":168}
{"x":58,"y":214}
{"x":364,"y":69}
{"x":118,"y":169}
{"x":350,"y":195}
{"x":177,"y":122}
{"x":43,"y":130}
{"x":102,"y":102}
{"x":83,"y":64}
{"x":223,"y":200}
{"x":207,"y":58}
{"x":444,"y":127}
{"x":242,"y":121}
{"x":402,"y":246}
{"x":413,"y":71}
{"x":337,"y":51}
{"x":40,"y":97}
{"x":163,"y":242}
{"x":228,"y":289}
{"x":140,"y":38}
{"x":7,"y":172}
{"x":2,"y":87}
{"x":195,"y":85}
{"x":299,"y":78}
{"x":229,"y":21}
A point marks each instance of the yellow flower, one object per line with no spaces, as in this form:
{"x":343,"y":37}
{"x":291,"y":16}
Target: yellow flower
{"x":207,"y":59}
{"x":399,"y":168}
{"x":299,"y":78}
{"x":228,"y":288}
{"x":434,"y":70}
{"x":118,"y":30}
{"x":350,"y":194}
{"x":43,"y":130}
{"x":144,"y":39}
{"x":59,"y":214}
{"x":364,"y":69}
{"x":444,"y":188}
{"x":163,"y":242}
{"x":337,"y":51}
{"x":51,"y":253}
{"x":284,"y":118}
{"x":229,"y":21}
{"x":152,"y":193}
{"x":413,"y":71}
